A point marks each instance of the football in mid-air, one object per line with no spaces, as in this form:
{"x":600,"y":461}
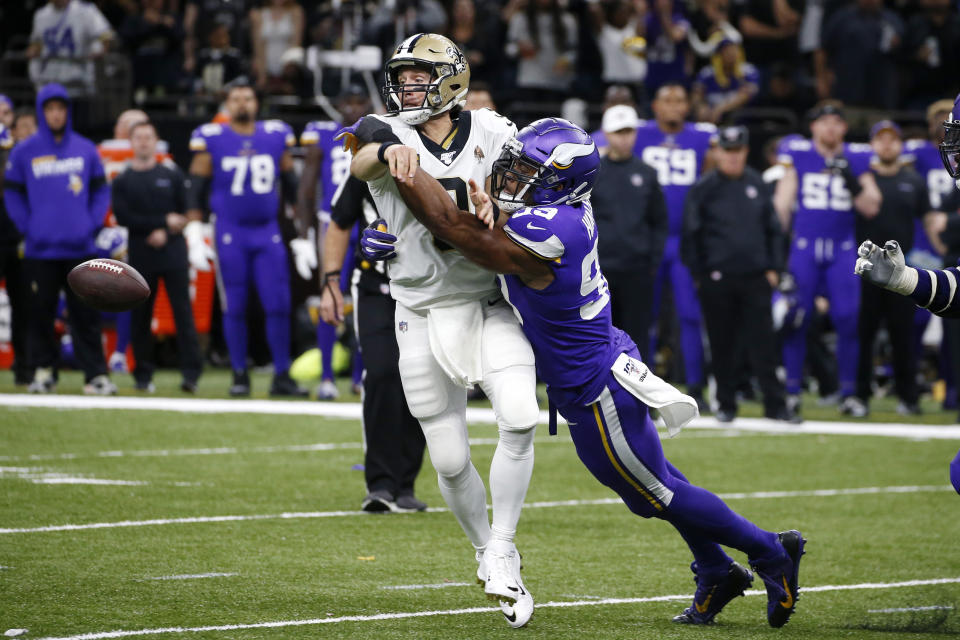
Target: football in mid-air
{"x":108,"y":285}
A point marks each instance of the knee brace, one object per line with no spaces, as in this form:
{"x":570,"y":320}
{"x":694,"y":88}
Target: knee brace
{"x":425,"y":386}
{"x":446,"y":437}
{"x":517,"y":444}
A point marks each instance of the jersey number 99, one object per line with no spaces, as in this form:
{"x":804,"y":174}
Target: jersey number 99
{"x":261,"y":168}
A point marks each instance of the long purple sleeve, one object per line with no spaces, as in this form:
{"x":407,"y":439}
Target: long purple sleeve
{"x":15,"y":193}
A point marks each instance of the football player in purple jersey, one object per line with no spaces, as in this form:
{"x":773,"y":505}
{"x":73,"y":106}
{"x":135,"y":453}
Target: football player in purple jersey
{"x":679,"y":151}
{"x":327,"y":165}
{"x":827,"y":182}
{"x":243,"y":162}
{"x":547,"y":255}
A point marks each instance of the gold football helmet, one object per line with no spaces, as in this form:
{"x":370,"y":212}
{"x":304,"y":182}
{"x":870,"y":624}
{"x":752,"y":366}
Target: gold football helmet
{"x":449,"y":77}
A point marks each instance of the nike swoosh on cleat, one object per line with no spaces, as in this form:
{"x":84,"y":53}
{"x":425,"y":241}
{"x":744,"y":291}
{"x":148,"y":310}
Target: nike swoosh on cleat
{"x":514,"y":589}
{"x":512,"y":617}
{"x":703,"y":608}
{"x":788,"y":603}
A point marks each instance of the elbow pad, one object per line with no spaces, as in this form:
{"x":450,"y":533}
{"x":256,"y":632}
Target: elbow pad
{"x":196,"y":189}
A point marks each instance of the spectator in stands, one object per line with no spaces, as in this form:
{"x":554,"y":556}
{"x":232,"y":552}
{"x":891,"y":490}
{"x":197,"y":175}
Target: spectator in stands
{"x":395,"y":21}
{"x":631,"y":237}
{"x":6,"y":111}
{"x":543,"y":39}
{"x":480,"y":40}
{"x":56,"y":194}
{"x":295,"y":78}
{"x":154,"y":38}
{"x":218,"y":64}
{"x":479,"y":97}
{"x":274,"y":29}
{"x":66,"y":36}
{"x":149,"y":199}
{"x":728,"y":83}
{"x":618,"y":27}
{"x":199,"y":19}
{"x":710,"y":19}
{"x":24,"y":124}
{"x":668,"y":54}
{"x":860,"y":43}
{"x":932,"y":47}
{"x":769,"y":29}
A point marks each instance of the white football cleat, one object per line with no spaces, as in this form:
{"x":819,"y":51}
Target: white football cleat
{"x":100,"y":386}
{"x":327,"y":390}
{"x":481,"y":568}
{"x":504,"y":583}
{"x":117,"y":362}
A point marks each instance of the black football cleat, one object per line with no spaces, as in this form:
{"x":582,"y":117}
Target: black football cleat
{"x":284,"y":386}
{"x":241,"y":384}
{"x":781,"y":578}
{"x":712,"y":597}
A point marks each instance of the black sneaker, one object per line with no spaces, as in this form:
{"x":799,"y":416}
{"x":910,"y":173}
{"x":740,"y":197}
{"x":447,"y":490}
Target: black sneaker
{"x":190,"y":386}
{"x":409,"y":502}
{"x":145,"y":386}
{"x":712,"y":597}
{"x":378,"y":502}
{"x":781,"y":578}
{"x":284,"y":386}
{"x":723,"y":415}
{"x":241,"y":384}
{"x":785,"y":415}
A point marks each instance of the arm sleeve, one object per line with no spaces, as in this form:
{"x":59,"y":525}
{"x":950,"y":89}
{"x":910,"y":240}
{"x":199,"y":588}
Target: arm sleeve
{"x":690,"y":241}
{"x":99,"y":192}
{"x":937,"y":291}
{"x":773,"y":235}
{"x":347,"y":204}
{"x":15,"y":193}
{"x":659,"y":220}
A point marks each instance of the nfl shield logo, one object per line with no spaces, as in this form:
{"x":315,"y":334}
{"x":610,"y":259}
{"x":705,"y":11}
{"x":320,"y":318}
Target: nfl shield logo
{"x":403,"y":326}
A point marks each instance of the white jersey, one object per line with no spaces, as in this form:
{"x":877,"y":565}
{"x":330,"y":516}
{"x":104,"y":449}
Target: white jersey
{"x":426,"y":272}
{"x":77,"y":31}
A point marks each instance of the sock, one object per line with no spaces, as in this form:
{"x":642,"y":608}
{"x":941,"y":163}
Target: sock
{"x":326,"y":337}
{"x":510,"y":473}
{"x":235,"y":334}
{"x":278,"y":338}
{"x":123,"y":331}
{"x":466,"y":496}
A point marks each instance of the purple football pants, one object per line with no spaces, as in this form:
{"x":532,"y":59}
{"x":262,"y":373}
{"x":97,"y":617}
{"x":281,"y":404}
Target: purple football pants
{"x":617,"y":441}
{"x":824,"y":266}
{"x":672,"y":270}
{"x":257,"y":255}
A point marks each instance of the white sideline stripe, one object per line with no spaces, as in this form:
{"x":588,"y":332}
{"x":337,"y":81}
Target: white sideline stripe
{"x":195,"y":576}
{"x":102,"y":635}
{"x":475,"y":415}
{"x":39,"y":476}
{"x":442,"y":585}
{"x":530,"y":505}
{"x":901,"y":610}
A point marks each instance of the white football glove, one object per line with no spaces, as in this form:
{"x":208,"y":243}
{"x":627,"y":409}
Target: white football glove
{"x":885,"y":267}
{"x":305,"y":254}
{"x":199,"y":253}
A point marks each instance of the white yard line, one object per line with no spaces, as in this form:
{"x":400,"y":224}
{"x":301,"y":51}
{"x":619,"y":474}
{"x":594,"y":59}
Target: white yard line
{"x":352,"y":411}
{"x":41,"y":476}
{"x":195,"y":576}
{"x":103,"y":635}
{"x":911,"y":609}
{"x":530,"y":505}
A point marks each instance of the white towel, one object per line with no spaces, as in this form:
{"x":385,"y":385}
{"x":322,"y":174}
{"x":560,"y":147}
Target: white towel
{"x":676,"y":409}
{"x":456,"y":335}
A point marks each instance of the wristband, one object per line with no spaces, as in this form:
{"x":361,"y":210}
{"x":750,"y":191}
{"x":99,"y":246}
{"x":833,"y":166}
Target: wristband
{"x":331,"y":274}
{"x":496,"y":211}
{"x":383,"y":148}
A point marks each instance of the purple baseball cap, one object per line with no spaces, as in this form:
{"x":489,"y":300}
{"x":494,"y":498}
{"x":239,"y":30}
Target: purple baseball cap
{"x":885,"y":125}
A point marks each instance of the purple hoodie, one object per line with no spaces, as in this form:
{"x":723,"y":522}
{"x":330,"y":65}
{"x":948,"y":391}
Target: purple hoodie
{"x":56,"y":192}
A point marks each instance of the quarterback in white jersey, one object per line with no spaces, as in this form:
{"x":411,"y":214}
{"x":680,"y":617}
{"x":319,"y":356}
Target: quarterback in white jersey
{"x":453,"y":327}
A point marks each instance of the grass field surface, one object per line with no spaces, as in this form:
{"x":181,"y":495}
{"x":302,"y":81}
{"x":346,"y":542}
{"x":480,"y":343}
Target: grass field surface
{"x":179,"y":524}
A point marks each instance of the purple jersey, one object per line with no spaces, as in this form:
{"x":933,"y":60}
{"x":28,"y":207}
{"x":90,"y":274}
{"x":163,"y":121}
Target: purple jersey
{"x":926,"y":160}
{"x":568,"y":323}
{"x":244,"y":189}
{"x":718,"y":90}
{"x":678,"y":159}
{"x":824,"y":205}
{"x":335,"y":165}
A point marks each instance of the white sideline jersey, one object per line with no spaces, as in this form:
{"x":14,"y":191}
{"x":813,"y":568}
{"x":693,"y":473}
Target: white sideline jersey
{"x":427,"y":273}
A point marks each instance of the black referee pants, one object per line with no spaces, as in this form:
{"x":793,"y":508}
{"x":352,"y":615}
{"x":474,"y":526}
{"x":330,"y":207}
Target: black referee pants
{"x":44,"y":279}
{"x":394,"y":439}
{"x":177,"y":283}
{"x":897,"y":313}
{"x":631,"y":298}
{"x":11,"y":271}
{"x":737,"y":309}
